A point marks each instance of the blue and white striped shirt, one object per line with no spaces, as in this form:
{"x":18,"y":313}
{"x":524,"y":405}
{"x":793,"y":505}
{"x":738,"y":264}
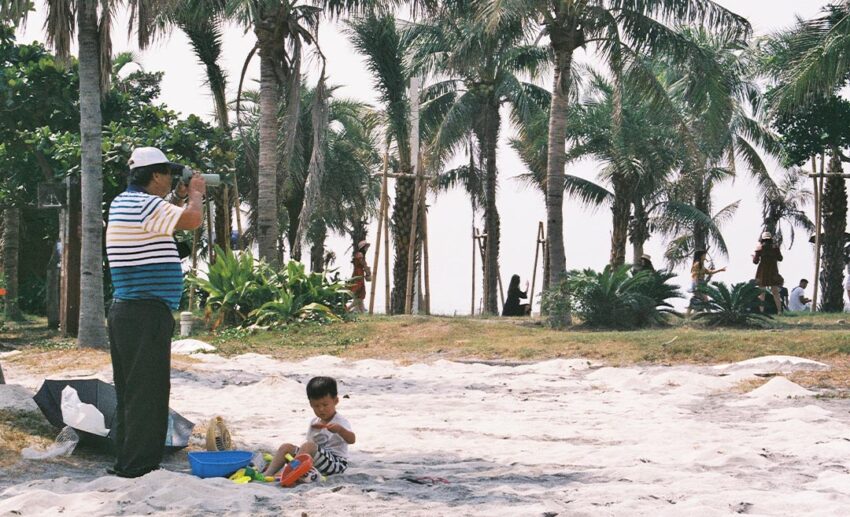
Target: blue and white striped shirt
{"x":140,"y":246}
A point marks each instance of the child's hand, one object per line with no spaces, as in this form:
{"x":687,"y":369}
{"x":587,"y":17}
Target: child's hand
{"x":319,"y":425}
{"x":334,"y":428}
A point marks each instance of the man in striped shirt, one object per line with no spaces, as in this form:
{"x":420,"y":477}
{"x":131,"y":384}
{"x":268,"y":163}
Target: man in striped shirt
{"x":148,"y":284}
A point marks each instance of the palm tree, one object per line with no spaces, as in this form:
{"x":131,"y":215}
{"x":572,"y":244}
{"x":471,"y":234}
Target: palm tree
{"x":93,"y":38}
{"x":643,"y":24}
{"x":720,"y":108}
{"x":378,"y":38}
{"x":480,"y":71}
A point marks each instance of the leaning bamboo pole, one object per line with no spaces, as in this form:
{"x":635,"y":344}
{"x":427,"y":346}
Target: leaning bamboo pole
{"x":383,"y":207}
{"x":537,"y":245}
{"x":813,"y":308}
{"x":474,"y":241}
{"x":425,"y":265}
{"x":387,"y":255}
{"x":411,"y":250}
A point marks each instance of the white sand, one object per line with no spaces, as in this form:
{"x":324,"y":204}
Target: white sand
{"x":559,"y":437}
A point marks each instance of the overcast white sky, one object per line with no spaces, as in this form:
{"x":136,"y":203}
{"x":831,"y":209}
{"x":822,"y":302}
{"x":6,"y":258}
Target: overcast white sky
{"x":586,"y":234}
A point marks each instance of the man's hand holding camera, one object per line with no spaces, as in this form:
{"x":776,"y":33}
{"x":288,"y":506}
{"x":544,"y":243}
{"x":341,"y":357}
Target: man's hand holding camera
{"x":193,"y":214}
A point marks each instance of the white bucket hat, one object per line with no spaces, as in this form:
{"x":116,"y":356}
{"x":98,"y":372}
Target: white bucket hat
{"x":362,"y":244}
{"x":646,"y":256}
{"x":766,"y":236}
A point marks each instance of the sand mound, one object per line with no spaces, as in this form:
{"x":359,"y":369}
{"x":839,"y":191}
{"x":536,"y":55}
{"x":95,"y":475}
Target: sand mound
{"x":779,"y":387}
{"x":774,"y":363}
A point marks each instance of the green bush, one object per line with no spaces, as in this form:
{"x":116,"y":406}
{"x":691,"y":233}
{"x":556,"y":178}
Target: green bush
{"x":242,"y":291}
{"x":730,"y":307}
{"x":614,"y":298}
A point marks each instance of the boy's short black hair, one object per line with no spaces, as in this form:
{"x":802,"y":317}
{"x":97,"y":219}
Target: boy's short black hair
{"x":141,"y":176}
{"x":320,"y":387}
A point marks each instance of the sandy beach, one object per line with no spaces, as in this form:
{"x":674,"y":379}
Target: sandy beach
{"x":560,"y":437}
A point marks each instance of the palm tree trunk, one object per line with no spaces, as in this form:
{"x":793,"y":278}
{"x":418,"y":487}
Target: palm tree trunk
{"x":401,"y":219}
{"x":267,"y":206}
{"x":834,"y":208}
{"x":638,"y":231}
{"x":620,"y":209}
{"x":11,"y":247}
{"x":317,"y":248}
{"x":92,"y":330}
{"x":491,"y":213}
{"x":563,"y":43}
{"x":700,"y":231}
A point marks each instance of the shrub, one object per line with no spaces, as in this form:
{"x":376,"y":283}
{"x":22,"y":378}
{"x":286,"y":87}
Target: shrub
{"x":615,"y":298}
{"x":730,"y":308}
{"x":242,"y":291}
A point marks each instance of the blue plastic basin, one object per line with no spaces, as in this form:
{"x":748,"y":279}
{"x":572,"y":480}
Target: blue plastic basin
{"x":211,"y":464}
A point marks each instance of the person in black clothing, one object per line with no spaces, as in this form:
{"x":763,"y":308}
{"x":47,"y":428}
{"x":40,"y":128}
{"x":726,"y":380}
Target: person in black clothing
{"x":512,"y":306}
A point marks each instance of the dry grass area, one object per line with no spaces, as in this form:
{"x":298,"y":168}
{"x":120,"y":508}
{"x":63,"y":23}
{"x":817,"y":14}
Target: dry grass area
{"x":409,"y":339}
{"x":20,"y":429}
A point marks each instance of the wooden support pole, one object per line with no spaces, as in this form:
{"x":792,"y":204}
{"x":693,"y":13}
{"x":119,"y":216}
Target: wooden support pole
{"x":474,"y":242}
{"x":537,"y":244}
{"x":238,"y":203}
{"x":387,"y":254}
{"x":383,"y":206}
{"x":69,"y":311}
{"x":210,"y":243}
{"x":416,"y":170}
{"x":818,"y":218}
{"x":425,"y":265}
{"x":411,"y":251}
{"x":196,"y":236}
{"x":226,"y":196}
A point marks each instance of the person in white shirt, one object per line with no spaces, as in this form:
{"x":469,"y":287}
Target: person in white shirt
{"x":328,"y":435}
{"x":798,"y":300}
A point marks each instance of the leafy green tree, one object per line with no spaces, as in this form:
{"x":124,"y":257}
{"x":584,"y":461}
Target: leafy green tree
{"x":93,"y":28}
{"x":820,"y":128}
{"x":36,"y":92}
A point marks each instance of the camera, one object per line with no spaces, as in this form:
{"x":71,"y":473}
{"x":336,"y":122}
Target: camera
{"x":183,"y":174}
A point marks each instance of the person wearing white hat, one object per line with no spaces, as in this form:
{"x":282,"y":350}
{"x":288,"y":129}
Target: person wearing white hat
{"x":768,"y":256}
{"x":361,"y":275}
{"x":148,"y":283}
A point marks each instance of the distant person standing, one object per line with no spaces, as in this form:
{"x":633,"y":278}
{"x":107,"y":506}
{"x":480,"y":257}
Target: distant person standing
{"x":512,"y":306}
{"x":798,"y":301}
{"x":700,"y":275}
{"x":362,"y":274}
{"x":148,"y":280}
{"x":768,"y":256}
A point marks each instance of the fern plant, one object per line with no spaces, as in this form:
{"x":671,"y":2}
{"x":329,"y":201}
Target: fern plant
{"x":733,"y":307}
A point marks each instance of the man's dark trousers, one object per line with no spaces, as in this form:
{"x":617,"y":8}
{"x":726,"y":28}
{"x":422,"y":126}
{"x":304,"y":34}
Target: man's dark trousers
{"x":140,"y":344}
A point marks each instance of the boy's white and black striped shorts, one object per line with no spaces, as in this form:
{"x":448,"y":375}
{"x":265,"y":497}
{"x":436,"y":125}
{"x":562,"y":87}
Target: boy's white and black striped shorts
{"x":329,"y":463}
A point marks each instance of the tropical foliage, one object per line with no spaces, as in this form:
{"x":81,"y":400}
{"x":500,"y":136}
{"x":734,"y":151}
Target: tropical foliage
{"x":617,"y":298}
{"x":243,"y":291}
{"x":735,"y":307}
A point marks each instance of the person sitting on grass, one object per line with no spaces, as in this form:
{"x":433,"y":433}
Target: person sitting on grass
{"x":798,"y":301}
{"x":328,"y":435}
{"x":512,"y":306}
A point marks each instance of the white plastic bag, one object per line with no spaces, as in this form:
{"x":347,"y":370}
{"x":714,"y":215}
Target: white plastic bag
{"x":80,"y":415}
{"x":64,"y":445}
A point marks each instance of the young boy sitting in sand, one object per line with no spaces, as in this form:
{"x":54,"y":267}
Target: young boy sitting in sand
{"x":328,"y":436}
